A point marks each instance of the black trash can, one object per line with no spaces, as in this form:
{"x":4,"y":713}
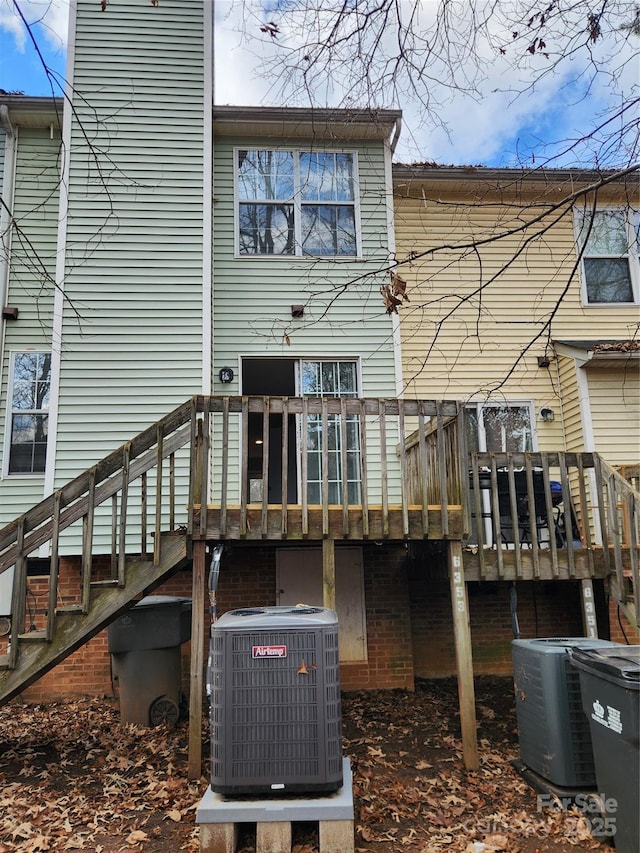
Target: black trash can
{"x":610,"y":684}
{"x":145,"y":659}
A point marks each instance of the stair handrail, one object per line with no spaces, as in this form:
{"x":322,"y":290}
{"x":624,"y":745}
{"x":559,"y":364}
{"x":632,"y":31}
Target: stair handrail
{"x":35,"y":525}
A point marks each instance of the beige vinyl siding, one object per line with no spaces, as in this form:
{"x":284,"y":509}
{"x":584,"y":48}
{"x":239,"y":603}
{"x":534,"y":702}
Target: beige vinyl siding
{"x":479,"y":319}
{"x":571,"y":411}
{"x":132,"y":326}
{"x":30,"y":290}
{"x":344,"y":315}
{"x":615,"y":412}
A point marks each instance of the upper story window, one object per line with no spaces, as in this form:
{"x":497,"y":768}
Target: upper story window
{"x":29,"y":416}
{"x":296,"y":203}
{"x":609,"y":257}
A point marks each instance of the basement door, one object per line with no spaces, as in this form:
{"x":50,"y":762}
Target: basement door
{"x":299,"y":581}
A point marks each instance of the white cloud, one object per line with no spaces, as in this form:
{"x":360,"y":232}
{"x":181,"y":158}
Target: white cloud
{"x":460,"y":128}
{"x":490,"y":125}
{"x":49,"y":18}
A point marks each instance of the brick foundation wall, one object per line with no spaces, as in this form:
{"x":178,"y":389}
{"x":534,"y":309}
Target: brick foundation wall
{"x":544,"y":609}
{"x":409,"y":621}
{"x":247,"y":577}
{"x":620,"y":628}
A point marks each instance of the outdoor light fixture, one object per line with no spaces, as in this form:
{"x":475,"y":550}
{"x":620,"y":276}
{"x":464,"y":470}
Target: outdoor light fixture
{"x":9,"y":312}
{"x":547,"y":414}
{"x":297,"y":311}
{"x":226,"y":375}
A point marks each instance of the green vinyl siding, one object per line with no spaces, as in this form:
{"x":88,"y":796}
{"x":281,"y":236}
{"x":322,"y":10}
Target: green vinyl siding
{"x":132,"y":326}
{"x":31,"y":287}
{"x":344,"y":316}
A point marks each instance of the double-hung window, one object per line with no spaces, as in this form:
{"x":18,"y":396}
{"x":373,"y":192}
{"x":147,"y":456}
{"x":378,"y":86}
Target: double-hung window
{"x":296,"y":203}
{"x":609,"y":249}
{"x":29,"y":414}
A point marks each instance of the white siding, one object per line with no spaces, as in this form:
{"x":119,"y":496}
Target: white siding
{"x":132,"y":340}
{"x":31,"y":287}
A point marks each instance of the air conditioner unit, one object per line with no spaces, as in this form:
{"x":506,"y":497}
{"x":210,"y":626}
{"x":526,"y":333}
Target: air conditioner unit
{"x":554,"y":733}
{"x":274,"y":681}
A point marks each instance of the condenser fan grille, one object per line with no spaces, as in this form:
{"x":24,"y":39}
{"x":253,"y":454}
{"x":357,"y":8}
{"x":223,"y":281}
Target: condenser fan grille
{"x":275,"y":708}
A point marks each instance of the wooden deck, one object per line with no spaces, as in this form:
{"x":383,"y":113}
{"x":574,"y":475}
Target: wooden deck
{"x":351,"y":523}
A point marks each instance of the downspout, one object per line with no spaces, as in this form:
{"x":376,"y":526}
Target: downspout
{"x":395,"y":318}
{"x":6,"y":217}
{"x":393,"y":143}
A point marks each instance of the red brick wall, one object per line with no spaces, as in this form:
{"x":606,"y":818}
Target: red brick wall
{"x":409,"y":622}
{"x":248,"y":577}
{"x":621,"y":629}
{"x":544,"y":609}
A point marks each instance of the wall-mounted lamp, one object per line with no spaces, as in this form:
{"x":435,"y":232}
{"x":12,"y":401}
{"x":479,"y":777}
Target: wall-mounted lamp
{"x":10,"y":312}
{"x":547,"y":414}
{"x":225,"y":375}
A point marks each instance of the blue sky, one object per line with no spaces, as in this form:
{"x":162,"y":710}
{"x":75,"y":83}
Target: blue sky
{"x":493,"y":130}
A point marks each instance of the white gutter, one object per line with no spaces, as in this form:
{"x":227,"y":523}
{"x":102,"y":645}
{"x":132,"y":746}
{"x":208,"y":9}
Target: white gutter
{"x":6,"y":215}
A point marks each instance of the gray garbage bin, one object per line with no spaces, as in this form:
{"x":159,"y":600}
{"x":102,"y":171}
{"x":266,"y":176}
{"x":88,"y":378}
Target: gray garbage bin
{"x":610,"y":684}
{"x":145,"y":658}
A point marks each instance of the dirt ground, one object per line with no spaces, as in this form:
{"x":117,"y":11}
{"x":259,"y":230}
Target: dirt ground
{"x":72,"y":777}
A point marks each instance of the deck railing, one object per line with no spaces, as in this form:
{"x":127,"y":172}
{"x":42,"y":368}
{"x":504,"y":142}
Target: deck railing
{"x":330,"y":467}
{"x":278,"y":468}
{"x":569,"y":509}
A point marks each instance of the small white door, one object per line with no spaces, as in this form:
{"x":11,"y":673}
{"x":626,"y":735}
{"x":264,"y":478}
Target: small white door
{"x":299,"y":581}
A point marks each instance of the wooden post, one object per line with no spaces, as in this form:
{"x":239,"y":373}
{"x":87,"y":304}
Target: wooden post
{"x":329,"y":573}
{"x":589,"y":621}
{"x":197,"y":658}
{"x":464,"y":663}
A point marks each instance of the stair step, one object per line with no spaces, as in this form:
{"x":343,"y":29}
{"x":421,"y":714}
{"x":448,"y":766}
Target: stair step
{"x":69,"y":608}
{"x":33,"y":637}
{"x":102,"y":584}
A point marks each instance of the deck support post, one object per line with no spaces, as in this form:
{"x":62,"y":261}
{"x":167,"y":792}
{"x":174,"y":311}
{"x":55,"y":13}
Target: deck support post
{"x":589,"y":620}
{"x":464,"y":662}
{"x":197,"y":658}
{"x":329,"y":573}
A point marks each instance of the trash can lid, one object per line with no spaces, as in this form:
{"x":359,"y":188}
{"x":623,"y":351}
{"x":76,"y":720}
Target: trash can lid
{"x":160,"y":600}
{"x":619,"y":662}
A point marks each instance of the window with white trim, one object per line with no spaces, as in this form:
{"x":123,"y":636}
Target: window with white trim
{"x":29,"y":391}
{"x":609,"y":256}
{"x":296,"y":203}
{"x":499,"y":428}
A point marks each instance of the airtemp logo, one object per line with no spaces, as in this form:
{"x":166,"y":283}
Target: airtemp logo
{"x":268,"y":651}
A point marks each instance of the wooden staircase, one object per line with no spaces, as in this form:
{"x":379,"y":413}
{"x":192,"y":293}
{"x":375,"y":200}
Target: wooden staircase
{"x":124,"y":508}
{"x":73,"y":627}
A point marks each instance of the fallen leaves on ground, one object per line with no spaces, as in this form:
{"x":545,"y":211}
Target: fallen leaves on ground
{"x":73,"y":777}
